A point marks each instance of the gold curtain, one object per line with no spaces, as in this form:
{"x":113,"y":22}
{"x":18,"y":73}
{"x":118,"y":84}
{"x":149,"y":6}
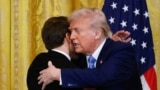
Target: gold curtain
{"x":20,"y":33}
{"x":154,"y":12}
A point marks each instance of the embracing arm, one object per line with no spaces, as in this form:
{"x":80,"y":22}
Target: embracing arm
{"x":117,"y":68}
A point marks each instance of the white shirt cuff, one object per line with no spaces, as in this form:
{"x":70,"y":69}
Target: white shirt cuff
{"x":60,"y":80}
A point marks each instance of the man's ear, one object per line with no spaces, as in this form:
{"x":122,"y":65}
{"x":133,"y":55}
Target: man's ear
{"x":98,"y":34}
{"x":67,"y":36}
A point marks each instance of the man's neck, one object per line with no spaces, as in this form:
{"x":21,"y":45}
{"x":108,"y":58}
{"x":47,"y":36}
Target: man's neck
{"x":96,"y":45}
{"x":63,"y":49}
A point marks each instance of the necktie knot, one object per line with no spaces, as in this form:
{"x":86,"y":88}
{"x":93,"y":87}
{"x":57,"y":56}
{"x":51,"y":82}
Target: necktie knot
{"x":91,"y":62}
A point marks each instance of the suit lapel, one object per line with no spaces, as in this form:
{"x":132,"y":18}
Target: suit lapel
{"x":104,"y":52}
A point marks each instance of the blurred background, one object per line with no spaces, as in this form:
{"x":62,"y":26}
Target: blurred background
{"x":20,"y":34}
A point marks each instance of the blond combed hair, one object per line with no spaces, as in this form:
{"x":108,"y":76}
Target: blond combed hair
{"x":96,"y":16}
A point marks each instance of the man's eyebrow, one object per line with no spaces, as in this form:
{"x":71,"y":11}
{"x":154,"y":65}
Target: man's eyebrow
{"x":71,"y":28}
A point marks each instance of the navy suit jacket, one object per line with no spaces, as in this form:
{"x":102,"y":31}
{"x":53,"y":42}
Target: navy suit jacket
{"x":41,"y":62}
{"x":116,"y":69}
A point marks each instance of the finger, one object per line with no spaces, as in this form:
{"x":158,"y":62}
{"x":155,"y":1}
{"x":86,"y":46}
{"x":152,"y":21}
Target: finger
{"x":40,"y":80}
{"x":39,"y":77}
{"x":127,"y":40}
{"x":127,"y":32}
{"x":119,"y":33}
{"x":50,"y":63}
{"x":125,"y":35}
{"x":43,"y":86}
{"x":41,"y":72}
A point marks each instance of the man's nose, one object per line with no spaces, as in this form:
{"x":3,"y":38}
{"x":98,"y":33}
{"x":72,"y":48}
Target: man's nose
{"x":72,"y":36}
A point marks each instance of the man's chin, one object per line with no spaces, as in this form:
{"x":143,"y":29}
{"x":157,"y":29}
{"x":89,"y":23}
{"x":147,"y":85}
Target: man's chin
{"x":78,"y":51}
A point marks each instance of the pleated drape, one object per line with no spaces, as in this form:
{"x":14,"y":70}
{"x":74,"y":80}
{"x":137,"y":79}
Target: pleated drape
{"x":154,"y":13}
{"x":20,"y":34}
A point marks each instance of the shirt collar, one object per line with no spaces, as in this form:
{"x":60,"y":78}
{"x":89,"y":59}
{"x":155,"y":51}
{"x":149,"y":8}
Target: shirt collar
{"x":96,"y":53}
{"x":65,"y":54}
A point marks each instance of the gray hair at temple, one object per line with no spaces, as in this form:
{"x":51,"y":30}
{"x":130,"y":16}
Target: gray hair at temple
{"x":97,"y":18}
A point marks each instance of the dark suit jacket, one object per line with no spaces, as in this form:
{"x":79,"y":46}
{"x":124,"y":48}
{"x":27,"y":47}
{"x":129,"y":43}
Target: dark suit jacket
{"x":116,"y":69}
{"x":40,"y":63}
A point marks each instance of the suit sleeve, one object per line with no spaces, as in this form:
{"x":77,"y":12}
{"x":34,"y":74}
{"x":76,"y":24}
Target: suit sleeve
{"x":118,"y":67}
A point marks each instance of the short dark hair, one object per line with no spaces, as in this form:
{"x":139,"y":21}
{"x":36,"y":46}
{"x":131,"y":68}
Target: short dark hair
{"x":54,"y":31}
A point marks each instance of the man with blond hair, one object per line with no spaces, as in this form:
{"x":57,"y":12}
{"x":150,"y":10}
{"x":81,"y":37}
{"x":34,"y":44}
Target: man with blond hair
{"x":114,"y":64}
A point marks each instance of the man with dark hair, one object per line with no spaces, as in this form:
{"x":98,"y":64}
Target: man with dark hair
{"x":56,"y":37}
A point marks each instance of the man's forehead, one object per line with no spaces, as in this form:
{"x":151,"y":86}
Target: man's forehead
{"x":72,"y":28}
{"x":74,"y":25}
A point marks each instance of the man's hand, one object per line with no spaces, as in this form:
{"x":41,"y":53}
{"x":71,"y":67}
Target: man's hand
{"x":49,"y":75}
{"x":122,"y":36}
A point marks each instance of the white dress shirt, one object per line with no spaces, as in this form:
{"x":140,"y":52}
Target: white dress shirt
{"x":96,"y":53}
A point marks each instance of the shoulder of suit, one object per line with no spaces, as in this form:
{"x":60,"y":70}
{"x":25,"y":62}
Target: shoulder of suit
{"x":117,"y":45}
